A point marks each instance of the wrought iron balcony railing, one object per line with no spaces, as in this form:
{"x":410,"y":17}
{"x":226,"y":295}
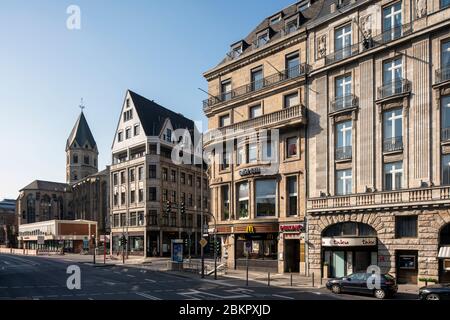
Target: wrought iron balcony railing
{"x":445,"y":134}
{"x":342,"y":54}
{"x":255,"y":86}
{"x":393,"y":144}
{"x":343,"y":153}
{"x":390,"y":35}
{"x":345,"y":102}
{"x":395,"y":87}
{"x":442,"y":74}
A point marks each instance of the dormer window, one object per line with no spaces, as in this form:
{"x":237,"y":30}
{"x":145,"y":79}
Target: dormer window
{"x":262,"y":38}
{"x":236,"y":49}
{"x":291,"y":24}
{"x":303,"y":6}
{"x":275,"y":19}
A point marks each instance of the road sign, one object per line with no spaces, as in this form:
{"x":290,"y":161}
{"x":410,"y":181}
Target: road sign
{"x":203,"y":242}
{"x":40,"y":240}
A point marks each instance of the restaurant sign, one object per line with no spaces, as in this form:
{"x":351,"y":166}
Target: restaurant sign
{"x":291,"y":228}
{"x":348,"y":242}
{"x":249,"y":171}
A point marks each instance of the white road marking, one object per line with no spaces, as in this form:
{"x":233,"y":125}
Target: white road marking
{"x":150,"y":280}
{"x":90,"y":299}
{"x":131,"y":276}
{"x":283,"y":297}
{"x":145,"y":295}
{"x":6,"y":262}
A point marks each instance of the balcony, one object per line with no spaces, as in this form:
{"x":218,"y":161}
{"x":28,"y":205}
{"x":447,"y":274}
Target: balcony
{"x":343,"y":153}
{"x":389,"y":35}
{"x":344,"y":103}
{"x":287,"y":115}
{"x":394,"y":88}
{"x":445,"y":134}
{"x":442,"y":75}
{"x":342,"y":54}
{"x":381,"y":200}
{"x":274,"y":79}
{"x":393,"y":144}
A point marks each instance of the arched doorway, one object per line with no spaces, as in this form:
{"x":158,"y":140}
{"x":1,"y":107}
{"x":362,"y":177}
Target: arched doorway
{"x":348,"y":247}
{"x":444,"y":254}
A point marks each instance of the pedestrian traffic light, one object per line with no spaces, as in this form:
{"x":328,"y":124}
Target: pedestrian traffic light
{"x":217,"y":246}
{"x":186,"y":243}
{"x":183,"y":209}
{"x":168,"y":207}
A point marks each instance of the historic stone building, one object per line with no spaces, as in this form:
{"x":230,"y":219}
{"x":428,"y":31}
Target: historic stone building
{"x":8,"y":223}
{"x":377,"y":141}
{"x":85,"y":194}
{"x":256,"y":139}
{"x":153,"y":199}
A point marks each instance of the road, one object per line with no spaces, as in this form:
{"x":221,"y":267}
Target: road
{"x":45,"y":278}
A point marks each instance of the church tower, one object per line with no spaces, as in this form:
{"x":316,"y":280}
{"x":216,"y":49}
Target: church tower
{"x":81,"y":152}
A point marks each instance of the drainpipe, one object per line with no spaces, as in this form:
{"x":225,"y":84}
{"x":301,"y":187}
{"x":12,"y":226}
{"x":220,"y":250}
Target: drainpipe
{"x":305,"y":175}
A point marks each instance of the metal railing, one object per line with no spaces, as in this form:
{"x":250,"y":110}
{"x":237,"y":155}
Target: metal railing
{"x":395,"y":87}
{"x":342,"y":54}
{"x":255,"y":86}
{"x":442,"y":74}
{"x":393,"y":144}
{"x":343,"y":153}
{"x":445,"y":134}
{"x":345,"y":102}
{"x":390,"y":35}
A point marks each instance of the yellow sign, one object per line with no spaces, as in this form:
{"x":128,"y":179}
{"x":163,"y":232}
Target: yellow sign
{"x":250,"y":229}
{"x":203,"y":242}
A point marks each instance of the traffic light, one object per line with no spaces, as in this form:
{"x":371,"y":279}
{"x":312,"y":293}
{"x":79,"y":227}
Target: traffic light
{"x":168,"y":207}
{"x":217,"y":247}
{"x":186,"y":243}
{"x":123,"y":241}
{"x":182,"y":208}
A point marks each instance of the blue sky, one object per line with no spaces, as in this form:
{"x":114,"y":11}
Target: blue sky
{"x":157,"y":48}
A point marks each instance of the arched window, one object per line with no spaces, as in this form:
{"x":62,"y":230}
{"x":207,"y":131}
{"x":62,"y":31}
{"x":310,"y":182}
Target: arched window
{"x":45,"y":208}
{"x":349,"y":229}
{"x":444,"y":236}
{"x":31,"y":209}
{"x":75,"y":158}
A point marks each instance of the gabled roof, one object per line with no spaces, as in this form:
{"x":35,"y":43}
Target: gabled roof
{"x":81,"y":133}
{"x":47,"y":186}
{"x":153,"y":116}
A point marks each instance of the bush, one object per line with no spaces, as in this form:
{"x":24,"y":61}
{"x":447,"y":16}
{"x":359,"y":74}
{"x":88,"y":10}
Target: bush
{"x":433,"y":280}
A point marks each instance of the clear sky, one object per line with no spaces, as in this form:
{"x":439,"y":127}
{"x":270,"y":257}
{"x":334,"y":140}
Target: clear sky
{"x":157,"y":48}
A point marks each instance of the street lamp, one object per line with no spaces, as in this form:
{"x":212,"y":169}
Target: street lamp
{"x":94,"y":240}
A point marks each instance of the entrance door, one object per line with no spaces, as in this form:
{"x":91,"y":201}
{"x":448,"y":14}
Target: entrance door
{"x":292,"y":255}
{"x":339,"y":263}
{"x":406,"y":266}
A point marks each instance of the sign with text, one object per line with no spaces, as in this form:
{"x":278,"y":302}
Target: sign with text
{"x":292,"y":228}
{"x":249,"y":171}
{"x":348,"y":242}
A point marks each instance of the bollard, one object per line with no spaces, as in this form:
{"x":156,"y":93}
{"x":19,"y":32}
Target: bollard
{"x":313,"y":279}
{"x":268,"y":279}
{"x":291,"y":279}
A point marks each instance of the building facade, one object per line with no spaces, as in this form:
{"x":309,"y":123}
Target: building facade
{"x":256,"y":141}
{"x":153,"y":199}
{"x":8,"y":223}
{"x":378,"y":155}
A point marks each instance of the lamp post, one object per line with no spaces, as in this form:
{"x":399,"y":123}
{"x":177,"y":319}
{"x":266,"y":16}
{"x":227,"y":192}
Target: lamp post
{"x":94,"y":240}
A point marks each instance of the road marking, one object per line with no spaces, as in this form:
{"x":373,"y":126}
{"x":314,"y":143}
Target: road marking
{"x":52,"y":296}
{"x":6,"y":262}
{"x":145,"y":295}
{"x":90,"y":299}
{"x":116,"y":272}
{"x":283,"y":297}
{"x":219,"y":281}
{"x":131,"y":276}
{"x":150,"y":280}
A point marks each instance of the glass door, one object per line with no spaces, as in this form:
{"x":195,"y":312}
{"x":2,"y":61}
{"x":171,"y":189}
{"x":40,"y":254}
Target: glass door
{"x":339,"y":264}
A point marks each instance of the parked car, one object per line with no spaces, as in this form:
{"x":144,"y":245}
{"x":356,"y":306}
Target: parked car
{"x":357,"y":283}
{"x":435,"y":292}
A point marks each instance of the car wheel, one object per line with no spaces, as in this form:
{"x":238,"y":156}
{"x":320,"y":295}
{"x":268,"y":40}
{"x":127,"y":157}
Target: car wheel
{"x":433,"y":296}
{"x":380,"y":294}
{"x":336,"y":289}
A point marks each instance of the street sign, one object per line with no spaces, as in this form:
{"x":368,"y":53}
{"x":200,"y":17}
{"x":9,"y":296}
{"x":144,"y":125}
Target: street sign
{"x":203,"y":242}
{"x":40,"y":240}
{"x":211,"y":230}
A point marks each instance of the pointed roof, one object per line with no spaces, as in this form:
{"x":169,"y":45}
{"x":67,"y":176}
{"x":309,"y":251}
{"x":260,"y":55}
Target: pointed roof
{"x":81,"y":133}
{"x":46,"y":186}
{"x":153,"y":116}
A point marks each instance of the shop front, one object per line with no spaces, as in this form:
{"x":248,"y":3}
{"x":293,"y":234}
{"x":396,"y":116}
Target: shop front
{"x":259,"y":248}
{"x":293,"y":247}
{"x":444,"y":254}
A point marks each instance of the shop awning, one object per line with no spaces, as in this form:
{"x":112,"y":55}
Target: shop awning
{"x":444,"y":253}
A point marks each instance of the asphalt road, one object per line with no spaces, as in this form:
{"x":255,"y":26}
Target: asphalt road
{"x":45,"y":278}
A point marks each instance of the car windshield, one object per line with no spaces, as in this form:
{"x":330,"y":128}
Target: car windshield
{"x":389,"y":277}
{"x":357,"y":276}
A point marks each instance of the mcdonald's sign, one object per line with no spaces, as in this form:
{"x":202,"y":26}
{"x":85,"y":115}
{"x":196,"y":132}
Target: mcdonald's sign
{"x":250,"y":229}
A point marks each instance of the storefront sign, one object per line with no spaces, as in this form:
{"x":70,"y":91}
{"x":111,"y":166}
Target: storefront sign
{"x":249,"y":171}
{"x":250,"y":229}
{"x":348,"y":242}
{"x":291,"y":228}
{"x":294,"y":236}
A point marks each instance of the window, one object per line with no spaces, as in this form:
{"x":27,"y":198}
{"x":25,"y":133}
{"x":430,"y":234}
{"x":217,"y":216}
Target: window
{"x":173,"y":196}
{"x":122,"y":177}
{"x":152,"y":171}
{"x":116,"y":221}
{"x":141,"y":218}
{"x":75,"y":158}
{"x":122,"y":198}
{"x":225,"y":202}
{"x":225,"y":163}
{"x":127,"y":115}
{"x":132,"y":196}
{"x":236,"y":51}
{"x":343,"y":91}
{"x":224,"y":120}
{"x":140,"y":173}
{"x":393,"y":132}
{"x":141,"y":195}
{"x":266,"y":139}
{"x":292,"y":66}
{"x":86,"y":159}
{"x":291,"y":147}
{"x":120,"y":136}
{"x":133,"y":218}
{"x":164,"y":174}
{"x":165,"y":195}
{"x":257,"y":79}
{"x":392,"y":77}
{"x":445,"y":118}
{"x":199,"y":202}
{"x":225,"y":90}
{"x":266,"y":197}
{"x":262,"y":39}
{"x":242,"y":197}
{"x":255,"y":111}
{"x":115,"y":179}
{"x":343,"y":182}
{"x":190,"y":180}
{"x":445,"y":62}
{"x":344,"y":140}
{"x":198,"y":181}
{"x":291,"y":26}
{"x":183,"y":178}
{"x":393,"y":174}
{"x":95,"y":162}
{"x":343,"y":42}
{"x":252,"y":152}
{"x":183,"y":197}
{"x":132,"y":176}
{"x":169,"y":135}
{"x":291,"y":100}
{"x":137,"y":129}
{"x":446,"y":169}
{"x":406,"y":226}
{"x":116,"y":199}
{"x":152,"y":194}
{"x":173,"y":176}
{"x":303,"y":6}
{"x":275,"y":19}
{"x":127,"y":133}
{"x":292,"y":194}
{"x":190,"y":200}
{"x":240,"y":154}
{"x":152,"y":149}
{"x":445,"y":3}
{"x":392,"y":21}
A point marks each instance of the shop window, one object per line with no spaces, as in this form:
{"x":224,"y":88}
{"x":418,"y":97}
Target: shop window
{"x":266,"y":191}
{"x":406,"y":227}
{"x":349,"y":229}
